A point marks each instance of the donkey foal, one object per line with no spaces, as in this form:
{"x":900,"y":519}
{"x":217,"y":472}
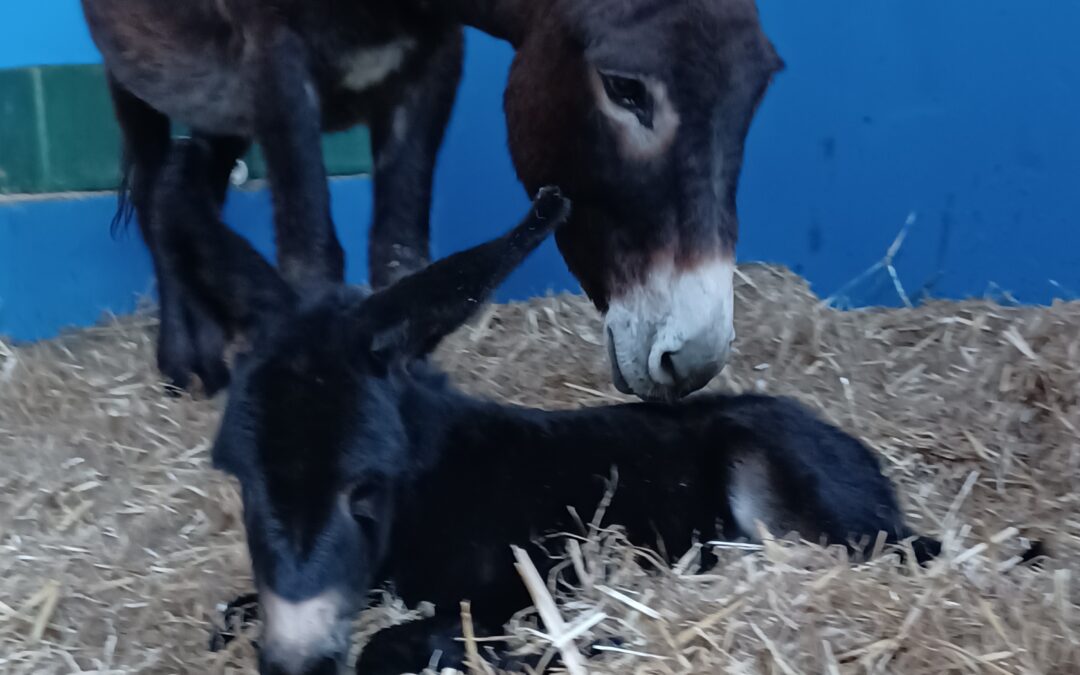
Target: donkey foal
{"x":360,"y":465}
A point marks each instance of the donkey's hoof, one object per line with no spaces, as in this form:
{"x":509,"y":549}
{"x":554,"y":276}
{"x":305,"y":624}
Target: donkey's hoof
{"x":176,"y":364}
{"x":181,"y":370}
{"x":214,"y":376}
{"x":191,"y":346}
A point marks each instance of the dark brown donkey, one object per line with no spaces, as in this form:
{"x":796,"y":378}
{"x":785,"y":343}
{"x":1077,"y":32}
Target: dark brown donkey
{"x":638,"y":109}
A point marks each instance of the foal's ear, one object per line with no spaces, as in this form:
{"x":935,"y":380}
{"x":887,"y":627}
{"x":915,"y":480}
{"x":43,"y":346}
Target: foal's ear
{"x":504,"y":19}
{"x":218,"y":266}
{"x":408,"y":319}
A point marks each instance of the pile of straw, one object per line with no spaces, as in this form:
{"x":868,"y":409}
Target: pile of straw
{"x":118,"y":541}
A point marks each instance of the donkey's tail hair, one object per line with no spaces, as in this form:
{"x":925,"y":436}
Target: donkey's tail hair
{"x":125,"y":208}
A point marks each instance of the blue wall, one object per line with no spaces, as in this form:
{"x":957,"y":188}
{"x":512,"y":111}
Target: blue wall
{"x":964,"y":113}
{"x":44,"y":32}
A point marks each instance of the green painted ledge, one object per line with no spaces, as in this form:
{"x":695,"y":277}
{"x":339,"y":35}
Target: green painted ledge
{"x":58,"y":134}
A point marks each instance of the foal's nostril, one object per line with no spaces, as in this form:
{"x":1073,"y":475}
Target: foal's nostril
{"x":667,"y":364}
{"x":325,"y":666}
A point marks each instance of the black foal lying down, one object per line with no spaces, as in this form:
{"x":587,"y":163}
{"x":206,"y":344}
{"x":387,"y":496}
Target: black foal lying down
{"x":360,"y":465}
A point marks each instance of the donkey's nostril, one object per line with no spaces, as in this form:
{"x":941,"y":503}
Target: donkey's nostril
{"x":685,"y":368}
{"x":664,"y":363}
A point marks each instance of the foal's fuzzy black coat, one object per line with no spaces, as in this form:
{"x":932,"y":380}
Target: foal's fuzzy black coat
{"x":360,"y":465}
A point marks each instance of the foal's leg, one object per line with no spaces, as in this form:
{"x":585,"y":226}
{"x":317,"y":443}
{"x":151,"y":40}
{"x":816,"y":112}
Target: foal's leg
{"x":406,"y":132}
{"x":189,"y":342}
{"x":435,"y":642}
{"x":288,"y":126}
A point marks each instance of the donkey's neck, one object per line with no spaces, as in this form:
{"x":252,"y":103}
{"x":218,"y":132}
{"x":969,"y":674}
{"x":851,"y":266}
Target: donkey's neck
{"x":504,"y":19}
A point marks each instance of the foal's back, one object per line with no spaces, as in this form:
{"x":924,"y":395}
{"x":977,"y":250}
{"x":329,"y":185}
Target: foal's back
{"x":710,"y":468}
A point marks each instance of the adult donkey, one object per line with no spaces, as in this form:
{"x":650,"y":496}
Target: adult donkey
{"x":638,"y":109}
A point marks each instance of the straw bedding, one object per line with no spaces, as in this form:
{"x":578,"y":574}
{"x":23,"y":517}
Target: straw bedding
{"x":117,"y":540}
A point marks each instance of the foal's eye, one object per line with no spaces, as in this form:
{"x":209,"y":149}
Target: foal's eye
{"x":629,"y":93}
{"x":362,"y":499}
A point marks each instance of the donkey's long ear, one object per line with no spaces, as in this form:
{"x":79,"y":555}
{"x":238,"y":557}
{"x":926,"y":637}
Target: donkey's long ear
{"x":505,"y":19}
{"x":409,"y":318}
{"x":220,"y":267}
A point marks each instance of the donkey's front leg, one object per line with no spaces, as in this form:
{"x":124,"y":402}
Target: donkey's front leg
{"x":288,"y":126}
{"x":189,"y":342}
{"x":407,"y":129}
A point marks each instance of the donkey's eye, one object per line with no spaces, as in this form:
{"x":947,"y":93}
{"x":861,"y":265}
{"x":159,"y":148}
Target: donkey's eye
{"x":362,"y":499}
{"x":629,"y":93}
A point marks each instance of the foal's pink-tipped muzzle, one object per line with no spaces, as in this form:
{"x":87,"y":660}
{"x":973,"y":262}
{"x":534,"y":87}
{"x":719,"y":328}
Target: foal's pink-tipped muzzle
{"x":310,"y":637}
{"x":670,"y":336}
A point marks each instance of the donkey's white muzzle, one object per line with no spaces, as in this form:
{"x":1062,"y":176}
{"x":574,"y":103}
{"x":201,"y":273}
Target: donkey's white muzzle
{"x":670,"y":336}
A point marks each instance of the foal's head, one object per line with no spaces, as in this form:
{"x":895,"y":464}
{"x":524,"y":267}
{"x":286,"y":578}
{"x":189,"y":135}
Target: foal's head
{"x":314,"y":430}
{"x":639,"y":109}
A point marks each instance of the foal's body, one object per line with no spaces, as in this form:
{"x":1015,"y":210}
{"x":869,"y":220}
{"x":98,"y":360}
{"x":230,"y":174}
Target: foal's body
{"x":458,"y":480}
{"x":485,"y":476}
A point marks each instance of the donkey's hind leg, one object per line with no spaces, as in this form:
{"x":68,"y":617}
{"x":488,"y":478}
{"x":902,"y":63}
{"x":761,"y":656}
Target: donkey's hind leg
{"x":188,"y":342}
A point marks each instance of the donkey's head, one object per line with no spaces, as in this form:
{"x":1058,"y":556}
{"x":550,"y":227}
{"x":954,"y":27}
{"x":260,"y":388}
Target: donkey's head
{"x":314,"y":430}
{"x":638,"y":110}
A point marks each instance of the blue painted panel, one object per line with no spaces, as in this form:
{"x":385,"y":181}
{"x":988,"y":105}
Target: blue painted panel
{"x":59,"y":266}
{"x":966,"y":113}
{"x":44,"y":32}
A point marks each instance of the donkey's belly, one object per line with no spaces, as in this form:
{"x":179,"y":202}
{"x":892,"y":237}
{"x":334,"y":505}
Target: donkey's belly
{"x":181,"y":58}
{"x":200,"y":95}
{"x":187,"y":60}
{"x":208,"y":90}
